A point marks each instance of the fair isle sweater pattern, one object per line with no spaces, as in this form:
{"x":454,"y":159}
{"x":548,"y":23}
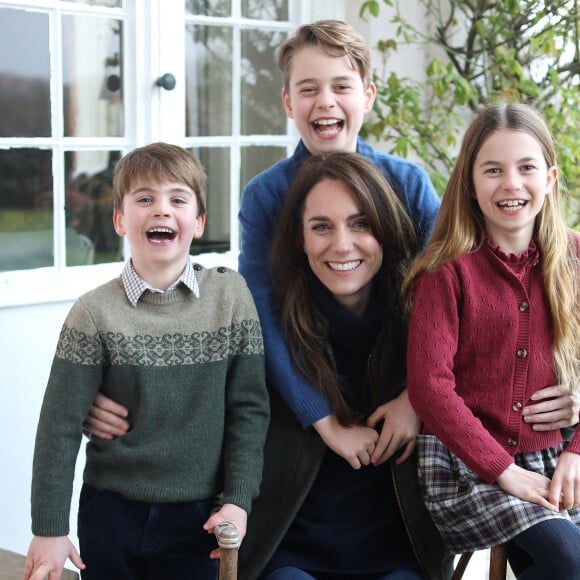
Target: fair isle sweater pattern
{"x":191,"y":372}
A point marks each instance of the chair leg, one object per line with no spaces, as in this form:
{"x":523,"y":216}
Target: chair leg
{"x":461,"y":566}
{"x":498,"y":562}
{"x":229,"y":541}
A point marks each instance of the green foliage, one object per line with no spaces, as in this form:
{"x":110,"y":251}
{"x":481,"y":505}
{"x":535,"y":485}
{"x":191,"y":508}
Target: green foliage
{"x":489,"y":51}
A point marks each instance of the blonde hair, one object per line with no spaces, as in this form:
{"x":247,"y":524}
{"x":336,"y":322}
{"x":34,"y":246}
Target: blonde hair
{"x":460,"y":228}
{"x":334,"y":38}
{"x":160,"y":162}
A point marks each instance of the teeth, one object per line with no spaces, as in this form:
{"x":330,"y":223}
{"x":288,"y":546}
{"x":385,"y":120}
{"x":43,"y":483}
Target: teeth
{"x":512,"y":203}
{"x":327,"y":121}
{"x":160,"y":231}
{"x":344,"y":266}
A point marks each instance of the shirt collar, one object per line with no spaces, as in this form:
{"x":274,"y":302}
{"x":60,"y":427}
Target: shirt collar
{"x":135,"y":285}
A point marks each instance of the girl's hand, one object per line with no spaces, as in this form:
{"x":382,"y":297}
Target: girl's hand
{"x":400,"y":429}
{"x":106,"y":419}
{"x":46,"y":557}
{"x":565,"y":486}
{"x":355,"y":444}
{"x":527,"y":485}
{"x":227,"y":513}
{"x":556,"y":408}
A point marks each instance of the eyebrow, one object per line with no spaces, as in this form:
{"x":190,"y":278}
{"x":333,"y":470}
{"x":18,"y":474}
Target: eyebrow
{"x":320,"y":218}
{"x":333,"y":79}
{"x":522,"y":160}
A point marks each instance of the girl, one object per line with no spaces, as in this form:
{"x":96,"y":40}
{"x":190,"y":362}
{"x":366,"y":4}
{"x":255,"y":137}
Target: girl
{"x":496,"y":317}
{"x":342,"y":246}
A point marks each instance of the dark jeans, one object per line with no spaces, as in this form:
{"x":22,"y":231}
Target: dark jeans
{"x":550,"y":549}
{"x":132,"y":540}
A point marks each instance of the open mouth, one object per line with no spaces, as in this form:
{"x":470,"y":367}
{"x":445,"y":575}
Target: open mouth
{"x":159,"y":235}
{"x":344,"y":266}
{"x":328,"y":126}
{"x":512,"y":204}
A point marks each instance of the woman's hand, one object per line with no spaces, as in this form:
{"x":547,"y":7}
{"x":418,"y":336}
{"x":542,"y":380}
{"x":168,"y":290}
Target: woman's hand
{"x":527,"y":485}
{"x":355,"y":444}
{"x":400,"y":429}
{"x":106,"y":419}
{"x":556,"y":408}
{"x":565,"y":486}
{"x":227,"y":513}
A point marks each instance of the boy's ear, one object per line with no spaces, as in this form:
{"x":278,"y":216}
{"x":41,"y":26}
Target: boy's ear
{"x":119,"y":223}
{"x":286,"y":101}
{"x":199,"y":226}
{"x":370,"y":95}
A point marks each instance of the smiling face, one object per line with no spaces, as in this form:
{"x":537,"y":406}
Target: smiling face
{"x":341,"y":249}
{"x":160,"y":221}
{"x":511,"y":182}
{"x":327,"y":99}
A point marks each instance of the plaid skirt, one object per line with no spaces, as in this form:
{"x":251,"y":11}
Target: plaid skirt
{"x":474,"y":515}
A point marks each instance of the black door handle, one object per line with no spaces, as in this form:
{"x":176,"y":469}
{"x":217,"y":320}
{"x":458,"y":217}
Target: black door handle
{"x":167,"y":82}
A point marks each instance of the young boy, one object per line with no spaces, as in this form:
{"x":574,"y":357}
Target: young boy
{"x":180,"y":347}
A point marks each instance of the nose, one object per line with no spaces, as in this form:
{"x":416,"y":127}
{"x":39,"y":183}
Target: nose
{"x":342,"y":242}
{"x":162,"y":207}
{"x":511,"y":180}
{"x":325,"y":99}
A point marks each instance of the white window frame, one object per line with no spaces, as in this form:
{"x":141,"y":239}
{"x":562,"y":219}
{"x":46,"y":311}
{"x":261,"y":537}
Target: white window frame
{"x":150,"y":50}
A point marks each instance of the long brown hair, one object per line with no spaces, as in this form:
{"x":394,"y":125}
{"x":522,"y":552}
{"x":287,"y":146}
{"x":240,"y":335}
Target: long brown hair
{"x":460,"y":228}
{"x":303,"y":324}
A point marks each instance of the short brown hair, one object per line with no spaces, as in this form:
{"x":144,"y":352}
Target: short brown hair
{"x":160,"y":162}
{"x":334,"y":38}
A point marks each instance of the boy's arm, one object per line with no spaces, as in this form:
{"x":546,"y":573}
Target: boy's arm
{"x":47,"y":556}
{"x":259,"y":208}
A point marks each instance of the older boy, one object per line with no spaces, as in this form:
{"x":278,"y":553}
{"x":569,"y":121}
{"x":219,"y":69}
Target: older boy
{"x":180,"y":347}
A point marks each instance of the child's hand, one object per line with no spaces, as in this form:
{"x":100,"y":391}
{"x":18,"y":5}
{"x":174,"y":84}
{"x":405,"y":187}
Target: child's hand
{"x":355,"y":444}
{"x":527,"y":485}
{"x":554,"y":408}
{"x":227,"y":513}
{"x":46,"y":557}
{"x":400,"y":429}
{"x":565,"y":486}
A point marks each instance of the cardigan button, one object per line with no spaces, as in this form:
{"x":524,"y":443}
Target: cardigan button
{"x":512,"y":442}
{"x":517,"y":406}
{"x":522,"y":353}
{"x":222,"y":269}
{"x":524,"y":306}
{"x":197,"y":267}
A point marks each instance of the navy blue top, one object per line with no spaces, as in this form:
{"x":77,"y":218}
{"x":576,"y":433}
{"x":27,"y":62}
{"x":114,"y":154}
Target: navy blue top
{"x":350,"y":521}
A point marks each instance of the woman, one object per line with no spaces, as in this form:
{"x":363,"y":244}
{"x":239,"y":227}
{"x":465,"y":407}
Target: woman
{"x":342,"y":247}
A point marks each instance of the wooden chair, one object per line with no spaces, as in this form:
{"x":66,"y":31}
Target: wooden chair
{"x":497,"y":563}
{"x":229,"y":541}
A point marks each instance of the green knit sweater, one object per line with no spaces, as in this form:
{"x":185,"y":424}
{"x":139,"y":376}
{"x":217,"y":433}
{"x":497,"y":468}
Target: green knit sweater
{"x":191,"y":372}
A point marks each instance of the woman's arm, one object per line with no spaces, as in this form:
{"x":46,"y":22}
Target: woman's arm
{"x":106,"y":419}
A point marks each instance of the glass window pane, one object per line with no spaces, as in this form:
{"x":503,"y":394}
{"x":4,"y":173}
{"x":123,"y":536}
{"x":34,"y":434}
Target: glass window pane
{"x":92,"y":77}
{"x":208,"y":7}
{"x":90,"y":235}
{"x":262,"y":110}
{"x":104,"y":3}
{"x":257,"y":159}
{"x":24,"y":74}
{"x":26,"y":199}
{"x":208,"y":81}
{"x":216,"y":237}
{"x":265,"y":9}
